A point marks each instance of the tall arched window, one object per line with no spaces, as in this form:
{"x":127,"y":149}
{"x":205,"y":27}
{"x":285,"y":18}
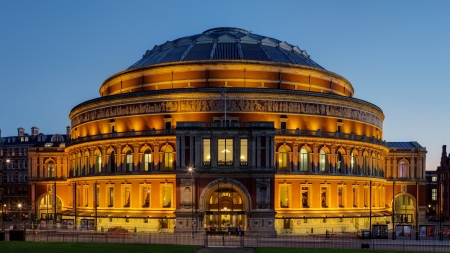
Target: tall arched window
{"x":353,"y":163}
{"x":373,"y":169}
{"x":282,"y":159}
{"x":147,"y":160}
{"x":129,"y":161}
{"x":98,"y":163}
{"x":168,"y":162}
{"x":112,"y":161}
{"x":365,"y":165}
{"x":339,"y":162}
{"x":402,"y":169}
{"x":86,"y":165}
{"x":51,"y":169}
{"x":304,"y":161}
{"x":323,"y":161}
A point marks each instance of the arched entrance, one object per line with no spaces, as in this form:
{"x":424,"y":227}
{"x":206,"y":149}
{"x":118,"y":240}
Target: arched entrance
{"x":225,"y":203}
{"x":47,"y":207}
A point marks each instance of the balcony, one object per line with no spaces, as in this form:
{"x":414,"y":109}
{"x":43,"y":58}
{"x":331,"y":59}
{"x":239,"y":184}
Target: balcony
{"x":334,"y":135}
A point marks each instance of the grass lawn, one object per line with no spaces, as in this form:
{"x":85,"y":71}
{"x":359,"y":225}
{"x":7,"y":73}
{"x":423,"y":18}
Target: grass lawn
{"x":294,"y":250}
{"x":65,"y":247}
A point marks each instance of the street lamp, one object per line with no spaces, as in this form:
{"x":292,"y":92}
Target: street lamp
{"x":191,"y":171}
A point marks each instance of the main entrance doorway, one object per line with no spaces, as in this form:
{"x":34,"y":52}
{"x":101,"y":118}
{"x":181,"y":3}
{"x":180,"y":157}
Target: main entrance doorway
{"x":224,"y":211}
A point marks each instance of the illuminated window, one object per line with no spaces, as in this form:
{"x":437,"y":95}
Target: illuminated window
{"x":129,"y":161}
{"x":434,"y":179}
{"x":148,"y":164}
{"x":86,"y":195}
{"x":353,"y":163}
{"x":126,"y":195}
{"x":282,"y":159}
{"x":402,"y":169}
{"x":98,"y":163}
{"x":86,"y":165}
{"x":206,"y":152}
{"x":339,"y":162}
{"x":305,"y":197}
{"x":304,"y":161}
{"x":51,"y":169}
{"x":324,"y":196}
{"x":284,"y":196}
{"x":244,"y":150}
{"x":355,"y":197}
{"x":145,"y":200}
{"x":225,"y":152}
{"x":323,"y":161}
{"x":434,"y":194}
{"x":110,"y":195}
{"x":168,"y":163}
{"x":166,"y":196}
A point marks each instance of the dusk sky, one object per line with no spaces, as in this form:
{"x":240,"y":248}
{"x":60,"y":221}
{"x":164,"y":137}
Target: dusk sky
{"x":56,"y":54}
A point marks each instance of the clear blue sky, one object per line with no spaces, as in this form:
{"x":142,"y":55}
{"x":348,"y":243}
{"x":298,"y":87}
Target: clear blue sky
{"x":55,"y":54}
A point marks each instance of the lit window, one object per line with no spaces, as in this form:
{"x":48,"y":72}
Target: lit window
{"x":434,"y":194}
{"x":434,"y":179}
{"x":126,"y":196}
{"x":284,"y":196}
{"x":244,"y":150}
{"x":353,"y":163}
{"x":206,"y":152}
{"x":339,"y":162}
{"x":166,"y":196}
{"x":146,"y":196}
{"x":282,"y":159}
{"x":323,"y":196}
{"x":51,"y":169}
{"x":110,"y":193}
{"x":323,"y":161}
{"x":129,"y":161}
{"x":225,"y":152}
{"x":98,"y":163}
{"x":147,"y":160}
{"x":305,"y":199}
{"x":168,"y":163}
{"x":304,"y":161}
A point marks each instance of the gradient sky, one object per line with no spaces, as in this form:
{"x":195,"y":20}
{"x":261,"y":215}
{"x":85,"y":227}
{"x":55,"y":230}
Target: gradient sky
{"x":55,"y":54}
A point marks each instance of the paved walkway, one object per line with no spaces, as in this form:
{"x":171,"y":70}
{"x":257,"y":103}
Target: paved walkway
{"x":226,"y":250}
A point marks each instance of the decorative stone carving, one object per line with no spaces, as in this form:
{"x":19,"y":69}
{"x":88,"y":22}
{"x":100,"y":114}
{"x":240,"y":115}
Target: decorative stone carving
{"x":186,"y":188}
{"x":232,"y":106}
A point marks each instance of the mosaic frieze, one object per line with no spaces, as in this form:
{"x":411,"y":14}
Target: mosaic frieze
{"x":231,"y":106}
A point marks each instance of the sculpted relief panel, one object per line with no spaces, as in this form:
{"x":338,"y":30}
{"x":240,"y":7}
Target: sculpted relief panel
{"x":232,"y":106}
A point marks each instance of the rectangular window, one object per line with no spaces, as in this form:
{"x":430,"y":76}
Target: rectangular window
{"x":323,"y":196}
{"x":434,"y":179}
{"x":97,"y":196}
{"x":225,"y":152}
{"x":166,"y":196}
{"x":147,"y":160}
{"x":355,"y":197}
{"x":110,"y":196}
{"x":206,"y":152}
{"x":434,"y":194}
{"x":366,"y":196}
{"x":126,"y":193}
{"x":244,"y":150}
{"x":78,"y":196}
{"x":284,"y":196}
{"x":146,"y":196}
{"x":86,"y":195}
{"x":340,"y":196}
{"x":129,"y":162}
{"x":305,"y":199}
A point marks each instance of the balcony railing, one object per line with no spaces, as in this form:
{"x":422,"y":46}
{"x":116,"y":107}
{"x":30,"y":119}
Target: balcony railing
{"x":335,"y":135}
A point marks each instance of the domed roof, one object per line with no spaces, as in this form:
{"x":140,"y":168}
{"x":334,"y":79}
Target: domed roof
{"x":226,"y":43}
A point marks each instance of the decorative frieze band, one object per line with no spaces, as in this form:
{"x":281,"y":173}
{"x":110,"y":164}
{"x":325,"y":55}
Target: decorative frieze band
{"x":232,"y":106}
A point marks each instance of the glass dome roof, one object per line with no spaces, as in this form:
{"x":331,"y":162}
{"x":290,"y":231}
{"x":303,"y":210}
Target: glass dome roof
{"x":226,"y":43}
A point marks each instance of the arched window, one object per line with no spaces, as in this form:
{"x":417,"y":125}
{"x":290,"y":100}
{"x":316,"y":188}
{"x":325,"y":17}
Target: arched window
{"x":51,"y":169}
{"x":353,"y":163}
{"x":304,"y":161}
{"x":402,"y":169}
{"x":129,"y":161}
{"x":147,"y":160}
{"x":98,"y":163}
{"x":365,"y":164}
{"x":168,"y":162}
{"x":112,"y":161}
{"x":86,"y":165}
{"x":79,"y":165}
{"x":282,"y":159}
{"x":339,"y":162}
{"x":372,"y":172}
{"x":323,"y":161}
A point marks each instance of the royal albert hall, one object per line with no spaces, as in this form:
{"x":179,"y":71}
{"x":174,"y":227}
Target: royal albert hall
{"x":228,"y":128}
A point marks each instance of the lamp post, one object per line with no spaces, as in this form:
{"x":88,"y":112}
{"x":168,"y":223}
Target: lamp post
{"x":191,"y":171}
{"x":393,"y":210}
{"x":20,"y":212}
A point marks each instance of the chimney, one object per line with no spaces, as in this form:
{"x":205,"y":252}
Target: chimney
{"x":20,"y":131}
{"x":444,"y":155}
{"x":34,"y":131}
